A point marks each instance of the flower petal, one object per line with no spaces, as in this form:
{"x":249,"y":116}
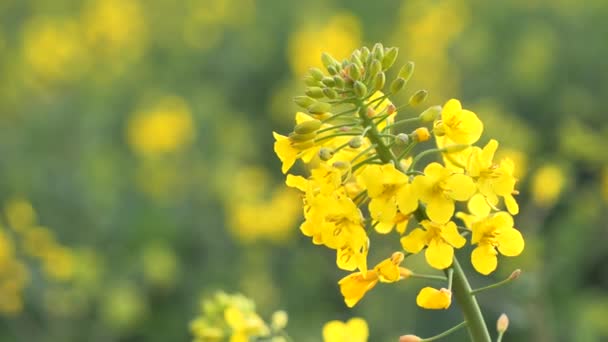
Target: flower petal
{"x":430,"y":298}
{"x":415,"y":241}
{"x":510,"y":242}
{"x":461,"y":187}
{"x":439,"y":254}
{"x":440,"y":209}
{"x":484,"y":259}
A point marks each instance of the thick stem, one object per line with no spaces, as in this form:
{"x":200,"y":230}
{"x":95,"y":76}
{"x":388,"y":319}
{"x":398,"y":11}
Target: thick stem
{"x":468,"y":304}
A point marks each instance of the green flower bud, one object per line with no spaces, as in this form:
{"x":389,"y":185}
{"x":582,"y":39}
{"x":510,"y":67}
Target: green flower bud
{"x":389,"y":58}
{"x":341,"y":164}
{"x":375,"y":67}
{"x":365,"y":53}
{"x":330,"y":93}
{"x":418,"y":97}
{"x":379,"y":81}
{"x":326,"y":153}
{"x":402,"y":139}
{"x":356,"y":58}
{"x":355,"y":142}
{"x":316,"y":73}
{"x":407,"y":70}
{"x":319,"y":108}
{"x":439,"y":129}
{"x":360,"y":89}
{"x":339,"y":81}
{"x":310,"y":81}
{"x":345,"y":63}
{"x":279,"y":320}
{"x":430,"y":114}
{"x":502,"y":324}
{"x":304,"y":101}
{"x":328,"y":60}
{"x":332,"y":69}
{"x":397,"y":85}
{"x":307,"y":127}
{"x":354,"y":72}
{"x":314,"y":92}
{"x":328,"y":81}
{"x":303,"y":145}
{"x":378,"y":51}
{"x":298,"y":138}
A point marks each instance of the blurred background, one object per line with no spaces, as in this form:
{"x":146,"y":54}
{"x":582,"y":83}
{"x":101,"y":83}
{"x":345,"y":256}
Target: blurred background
{"x":137,"y":171}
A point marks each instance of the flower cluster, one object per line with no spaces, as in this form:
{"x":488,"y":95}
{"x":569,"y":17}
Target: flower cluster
{"x":233,"y":318}
{"x":365,"y":176}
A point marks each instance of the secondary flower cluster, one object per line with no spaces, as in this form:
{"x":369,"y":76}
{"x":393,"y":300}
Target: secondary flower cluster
{"x":365,"y":176}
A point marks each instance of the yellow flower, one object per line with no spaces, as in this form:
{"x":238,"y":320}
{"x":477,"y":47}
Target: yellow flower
{"x":391,"y":196}
{"x":430,"y":298}
{"x":494,"y":233}
{"x":547,"y":184}
{"x":244,"y":324}
{"x":354,"y":286}
{"x":459,"y":125}
{"x":440,"y":238}
{"x":355,"y":330}
{"x":493,"y":180}
{"x":439,"y":187}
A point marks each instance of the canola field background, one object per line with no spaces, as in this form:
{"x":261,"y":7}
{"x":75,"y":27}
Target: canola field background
{"x":137,"y":171}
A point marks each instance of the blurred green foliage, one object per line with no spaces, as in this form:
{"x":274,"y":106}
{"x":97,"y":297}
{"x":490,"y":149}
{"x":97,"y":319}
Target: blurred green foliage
{"x":139,"y":133}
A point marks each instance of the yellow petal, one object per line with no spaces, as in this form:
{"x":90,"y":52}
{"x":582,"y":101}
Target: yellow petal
{"x":450,"y":234}
{"x":371,"y":180}
{"x":354,"y":286}
{"x":440,"y":209}
{"x":406,"y":199}
{"x":415,"y":241}
{"x":357,"y":330}
{"x":479,"y":206}
{"x":511,"y":204}
{"x":384,"y":227}
{"x":383,"y":208}
{"x":334,"y":331}
{"x":484,"y":259}
{"x":450,"y":108}
{"x":297,"y":182}
{"x":510,"y":242}
{"x":461,"y":187}
{"x":388,"y":271}
{"x":439,"y":254}
{"x":234,"y":317}
{"x":430,"y":298}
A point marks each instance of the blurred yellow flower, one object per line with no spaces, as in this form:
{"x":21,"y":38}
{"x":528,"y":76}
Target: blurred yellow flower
{"x":339,"y":37}
{"x":20,"y":214}
{"x":59,"y":263}
{"x":53,"y":49}
{"x":165,"y":127}
{"x":354,"y":330}
{"x":547,"y":184}
{"x":160,"y":265}
{"x":433,"y":299}
{"x":604,"y":183}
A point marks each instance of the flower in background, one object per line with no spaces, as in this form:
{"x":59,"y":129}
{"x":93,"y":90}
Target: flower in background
{"x":165,"y":127}
{"x":354,"y":330}
{"x":547,"y":184}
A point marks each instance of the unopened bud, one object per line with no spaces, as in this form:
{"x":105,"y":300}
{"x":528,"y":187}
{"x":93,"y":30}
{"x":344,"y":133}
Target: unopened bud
{"x":397,"y":258}
{"x":409,"y":338}
{"x":303,"y":145}
{"x":418,"y":97}
{"x":316,"y":73}
{"x":342,"y":165}
{"x":407,"y":70}
{"x":402,"y":139}
{"x":328,"y":60}
{"x":389,"y":57}
{"x":355,"y":142}
{"x":298,"y":138}
{"x":515,"y":274}
{"x":326,"y":153}
{"x":365,"y":53}
{"x":378,"y":51}
{"x":439,"y":129}
{"x":430,"y":114}
{"x":328,"y":81}
{"x":390,"y":109}
{"x":330,"y":93}
{"x":314,"y":92}
{"x":360,"y":89}
{"x":333,"y":70}
{"x":354,"y":72}
{"x":354,"y":58}
{"x":310,"y":81}
{"x":279,"y":320}
{"x":455,"y":148}
{"x":304,"y":101}
{"x":278,"y":339}
{"x":339,"y":81}
{"x":379,"y":81}
{"x":421,"y":134}
{"x":319,"y":108}
{"x":370,"y":112}
{"x":375,"y":67}
{"x":307,"y":127}
{"x":397,"y":85}
{"x":502,"y":324}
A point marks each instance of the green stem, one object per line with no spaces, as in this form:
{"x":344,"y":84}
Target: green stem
{"x":495,"y":285}
{"x":476,"y":325}
{"x":428,"y":276}
{"x":402,"y":122}
{"x":445,"y":333}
